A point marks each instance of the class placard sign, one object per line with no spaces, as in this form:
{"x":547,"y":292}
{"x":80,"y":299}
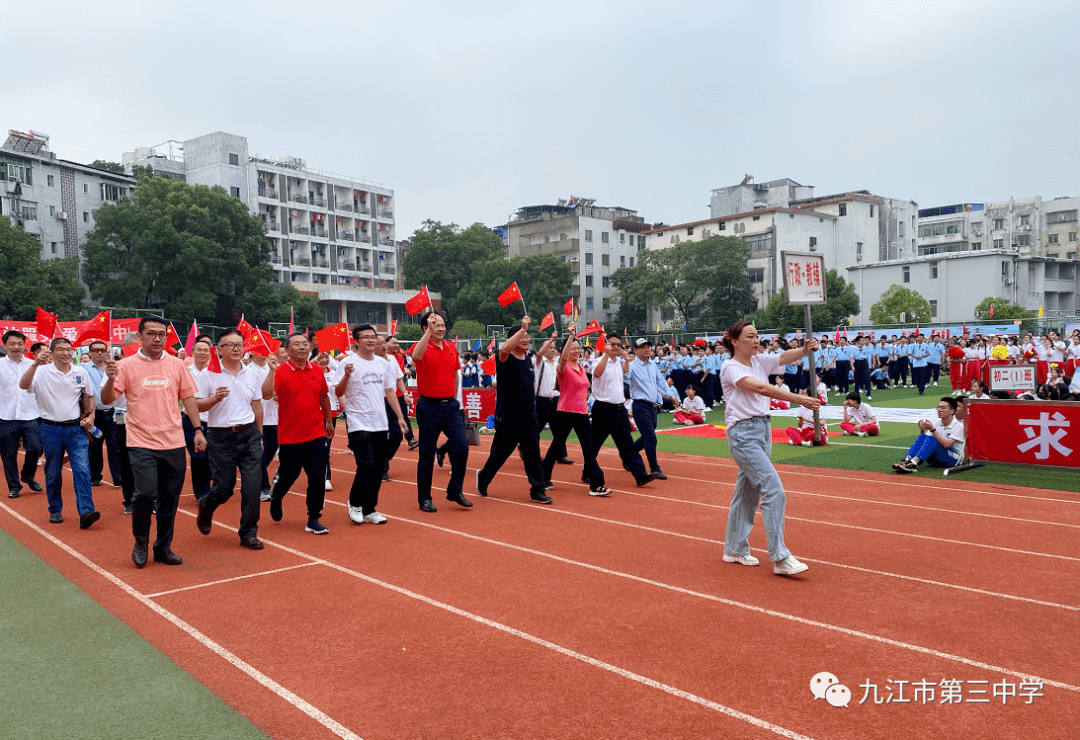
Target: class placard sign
{"x":804,"y":278}
{"x":1013,"y":377}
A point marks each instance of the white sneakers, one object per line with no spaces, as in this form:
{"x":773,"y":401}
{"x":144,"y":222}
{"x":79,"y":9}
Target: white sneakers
{"x":806,"y":443}
{"x":789,"y":566}
{"x":373,"y":518}
{"x":356,"y":514}
{"x":741,"y":559}
{"x":860,"y":434}
{"x":328,"y":486}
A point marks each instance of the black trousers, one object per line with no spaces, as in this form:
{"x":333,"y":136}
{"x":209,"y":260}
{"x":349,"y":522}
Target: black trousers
{"x":708,"y":390}
{"x":935,"y":370}
{"x":565,"y":422}
{"x":104,"y":421}
{"x":547,"y":411}
{"x":902,"y":369}
{"x":610,"y":420}
{"x":269,"y":449}
{"x":127,"y":479}
{"x":309,"y":457}
{"x":159,"y":479}
{"x":200,"y":465}
{"x":405,"y":413}
{"x":862,"y":376}
{"x":431,"y":418}
{"x":369,"y":451}
{"x":228,"y":451}
{"x":843,"y":372}
{"x":11,"y":433}
{"x":511,"y":434}
{"x":393,"y":438}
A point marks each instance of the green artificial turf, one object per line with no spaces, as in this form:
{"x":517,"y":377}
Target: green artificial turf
{"x":73,"y":670}
{"x":871,"y":454}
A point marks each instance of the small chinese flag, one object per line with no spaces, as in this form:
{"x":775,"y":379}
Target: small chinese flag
{"x":488,"y":365}
{"x":592,"y":328}
{"x":333,"y":337}
{"x":991,"y":310}
{"x":418,"y":302}
{"x":96,"y":328}
{"x":548,"y":320}
{"x":568,"y":307}
{"x":393,"y":327}
{"x":193,"y":332}
{"x":214,"y":365}
{"x":511,"y":294}
{"x":261,"y":343}
{"x":171,"y":339}
{"x":600,"y":343}
{"x":129,"y":349}
{"x":245,"y":328}
{"x":46,"y":324}
{"x":491,"y":346}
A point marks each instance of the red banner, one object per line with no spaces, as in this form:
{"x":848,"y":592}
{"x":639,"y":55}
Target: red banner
{"x":479,"y":403}
{"x":1024,"y":432}
{"x":69,"y":329}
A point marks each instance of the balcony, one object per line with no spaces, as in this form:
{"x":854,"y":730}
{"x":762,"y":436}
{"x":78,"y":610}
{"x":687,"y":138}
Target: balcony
{"x":348,"y":265}
{"x":388,"y":270}
{"x":364,"y":239}
{"x":275,"y":260}
{"x":298,"y":198}
{"x":320,"y":202}
{"x":347,"y":236}
{"x":386,"y":214}
{"x":271,"y":225}
{"x":385,"y":241}
{"x":267,"y":193}
{"x":363,"y":209}
{"x":304,"y":261}
{"x":324,"y":264}
{"x":298,"y":230}
{"x":342,"y":205}
{"x":318,"y":232}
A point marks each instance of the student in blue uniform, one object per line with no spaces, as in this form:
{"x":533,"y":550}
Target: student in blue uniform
{"x":844,"y":355}
{"x":903,"y":362}
{"x":862,"y":356}
{"x":920,"y":353}
{"x":933,"y":363}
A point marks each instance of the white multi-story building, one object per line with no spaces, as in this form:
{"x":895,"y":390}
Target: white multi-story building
{"x":330,"y":235}
{"x":1059,"y":228}
{"x":956,"y":228}
{"x":595,"y":240}
{"x":52,"y":199}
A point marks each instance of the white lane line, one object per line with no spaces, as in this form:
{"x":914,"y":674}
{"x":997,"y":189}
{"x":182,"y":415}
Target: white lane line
{"x":264,"y":680}
{"x":227,"y":580}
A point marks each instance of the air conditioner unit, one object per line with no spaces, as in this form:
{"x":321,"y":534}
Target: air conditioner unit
{"x":977,"y":232}
{"x":61,"y":215}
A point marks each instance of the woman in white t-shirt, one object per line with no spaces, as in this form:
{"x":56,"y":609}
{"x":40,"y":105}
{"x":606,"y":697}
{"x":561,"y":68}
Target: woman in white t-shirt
{"x":747,"y":392}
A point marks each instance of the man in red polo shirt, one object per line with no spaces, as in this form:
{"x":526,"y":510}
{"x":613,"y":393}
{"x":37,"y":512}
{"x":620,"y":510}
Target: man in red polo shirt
{"x":305,"y":427}
{"x":437,"y":410}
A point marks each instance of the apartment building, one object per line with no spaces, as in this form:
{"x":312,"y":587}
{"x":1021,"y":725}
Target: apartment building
{"x":53,"y":199}
{"x":330,"y":235}
{"x":1058,"y":237}
{"x":595,"y":240}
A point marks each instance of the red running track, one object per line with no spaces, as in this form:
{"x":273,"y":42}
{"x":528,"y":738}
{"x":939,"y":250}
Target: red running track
{"x":611,"y":617}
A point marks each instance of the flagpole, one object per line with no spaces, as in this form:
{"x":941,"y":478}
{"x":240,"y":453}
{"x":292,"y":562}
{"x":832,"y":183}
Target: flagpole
{"x":523,"y":303}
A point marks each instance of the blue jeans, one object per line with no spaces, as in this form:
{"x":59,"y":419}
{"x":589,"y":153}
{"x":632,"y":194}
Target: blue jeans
{"x":431,"y":418}
{"x":927,"y":449}
{"x":73,"y":440}
{"x":645,"y":418}
{"x":758,"y":484}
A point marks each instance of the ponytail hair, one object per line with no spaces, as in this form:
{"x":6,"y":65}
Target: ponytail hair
{"x":733,"y":333}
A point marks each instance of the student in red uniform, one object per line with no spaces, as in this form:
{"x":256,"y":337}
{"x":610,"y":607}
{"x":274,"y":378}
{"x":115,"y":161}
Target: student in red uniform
{"x":305,"y":427}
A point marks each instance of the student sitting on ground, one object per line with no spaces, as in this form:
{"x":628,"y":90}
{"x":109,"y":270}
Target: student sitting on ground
{"x":692,"y":409}
{"x":803,"y":434}
{"x":773,"y":403}
{"x":879,"y":377}
{"x":859,"y":419}
{"x":940,"y":443}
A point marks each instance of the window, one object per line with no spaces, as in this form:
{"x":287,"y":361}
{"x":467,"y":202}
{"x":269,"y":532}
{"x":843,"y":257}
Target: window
{"x":29,"y":211}
{"x":1060,"y":217}
{"x":605,"y":260}
{"x":109,"y":192}
{"x":622,"y":260}
{"x":977,"y":246}
{"x":234,"y":192}
{"x":907,"y":274}
{"x":547,"y":239}
{"x":757,"y":218}
{"x":86,"y":187}
{"x":588,"y":256}
{"x":999,"y":223}
{"x":588,"y":235}
{"x":604,"y":237}
{"x":871,"y":211}
{"x":667,"y":313}
{"x":933,"y":309}
{"x":1072,"y":236}
{"x":588,"y":303}
{"x":813,"y":244}
{"x":756,"y":275}
{"x":86,"y":217}
{"x":51,"y":182}
{"x":900,"y":226}
{"x":759,"y":242}
{"x":234,"y":158}
{"x":622,"y":238}
{"x":858,"y":250}
{"x":1052,"y":239}
{"x":606,"y":281}
{"x":933,"y":270}
{"x":588,"y":281}
{"x":1024,"y":240}
{"x":55,"y":249}
{"x":999,"y":244}
{"x":722,"y":226}
{"x":1025,"y":220}
{"x":1005,"y":269}
{"x":689,"y":230}
{"x":607,"y":303}
{"x":631,"y":261}
{"x":843,"y":209}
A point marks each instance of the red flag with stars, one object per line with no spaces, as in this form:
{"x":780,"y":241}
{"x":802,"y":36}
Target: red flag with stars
{"x":98,"y":327}
{"x":593,"y":328}
{"x":171,"y":339}
{"x":488,"y":365}
{"x":261,"y":343}
{"x":46,"y":324}
{"x":333,"y":337}
{"x":601,"y":344}
{"x":548,"y":320}
{"x":214,"y":365}
{"x":511,"y":294}
{"x":245,"y":328}
{"x":418,"y":302}
{"x":129,"y":349}
{"x":568,"y":307}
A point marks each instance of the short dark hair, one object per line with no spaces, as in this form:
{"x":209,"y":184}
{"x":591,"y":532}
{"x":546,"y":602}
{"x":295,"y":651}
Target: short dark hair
{"x":428,"y":315}
{"x":854,"y":396}
{"x":58,"y":340}
{"x":35,"y":347}
{"x":98,"y":341}
{"x":609,"y":337}
{"x":228,"y":332}
{"x":951,"y":401}
{"x":293,"y":334}
{"x":205,"y":338}
{"x":363,"y":327}
{"x":13,"y":333}
{"x":151,"y":320}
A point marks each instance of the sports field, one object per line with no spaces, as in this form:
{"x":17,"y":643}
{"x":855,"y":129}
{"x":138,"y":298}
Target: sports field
{"x":593,"y":617}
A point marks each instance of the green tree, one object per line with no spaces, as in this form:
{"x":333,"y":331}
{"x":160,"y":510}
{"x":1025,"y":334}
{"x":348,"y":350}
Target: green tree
{"x":897,"y":300}
{"x":444,"y":257}
{"x":731,"y":297}
{"x":544,"y":280}
{"x":843,"y":302}
{"x":184,"y":250}
{"x":102,"y":164}
{"x":27,"y":281}
{"x":630,"y":282}
{"x":265,"y":303}
{"x":467,"y":329}
{"x":410,"y":332}
{"x":1004,"y":312}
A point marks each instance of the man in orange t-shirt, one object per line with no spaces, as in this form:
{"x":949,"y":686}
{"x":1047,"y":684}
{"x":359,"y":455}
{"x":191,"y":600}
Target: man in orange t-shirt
{"x":153,"y":381}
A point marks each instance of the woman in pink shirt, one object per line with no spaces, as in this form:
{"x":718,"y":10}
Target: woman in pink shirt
{"x":573,"y":414}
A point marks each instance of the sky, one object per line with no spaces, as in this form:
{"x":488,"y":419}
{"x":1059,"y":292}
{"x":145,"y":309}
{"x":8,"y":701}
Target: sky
{"x":469,"y":111}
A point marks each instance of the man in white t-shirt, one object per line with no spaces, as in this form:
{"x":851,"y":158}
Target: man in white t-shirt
{"x":232,"y":400}
{"x":366,"y":386}
{"x":609,"y":417}
{"x":941,"y":443}
{"x":859,"y":419}
{"x":65,"y":399}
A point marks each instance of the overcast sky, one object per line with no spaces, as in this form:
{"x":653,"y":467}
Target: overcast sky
{"x":469,"y":111}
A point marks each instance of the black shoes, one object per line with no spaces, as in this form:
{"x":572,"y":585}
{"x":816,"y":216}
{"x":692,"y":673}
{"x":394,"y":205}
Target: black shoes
{"x":13,"y":493}
{"x":460,"y":500}
{"x":85,"y":520}
{"x":56,"y":518}
{"x":540,"y":498}
{"x":275,"y":509}
{"x":251,"y":543}
{"x":660,"y":475}
{"x":129,"y":509}
{"x":138,"y":555}
{"x":166,"y":556}
{"x":426,"y":505}
{"x":33,"y":485}
{"x":565,"y":461}
{"x":585,"y":480}
{"x":205,"y":519}
{"x":386,"y":477}
{"x":413,"y":444}
{"x":481,"y":489}
{"x":648,"y":479}
{"x":95,"y":483}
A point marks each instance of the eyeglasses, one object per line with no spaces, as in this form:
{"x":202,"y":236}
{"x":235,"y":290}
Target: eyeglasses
{"x":367,"y":336}
{"x":98,"y":350}
{"x":156,"y":334}
{"x":231,"y":345}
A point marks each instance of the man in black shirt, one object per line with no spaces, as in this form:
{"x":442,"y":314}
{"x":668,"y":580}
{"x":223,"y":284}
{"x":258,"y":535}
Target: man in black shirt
{"x":515,"y":415}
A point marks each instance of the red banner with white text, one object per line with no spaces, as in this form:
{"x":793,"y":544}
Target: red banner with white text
{"x":70,"y":329}
{"x":479,"y":403}
{"x":1025,"y":432}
